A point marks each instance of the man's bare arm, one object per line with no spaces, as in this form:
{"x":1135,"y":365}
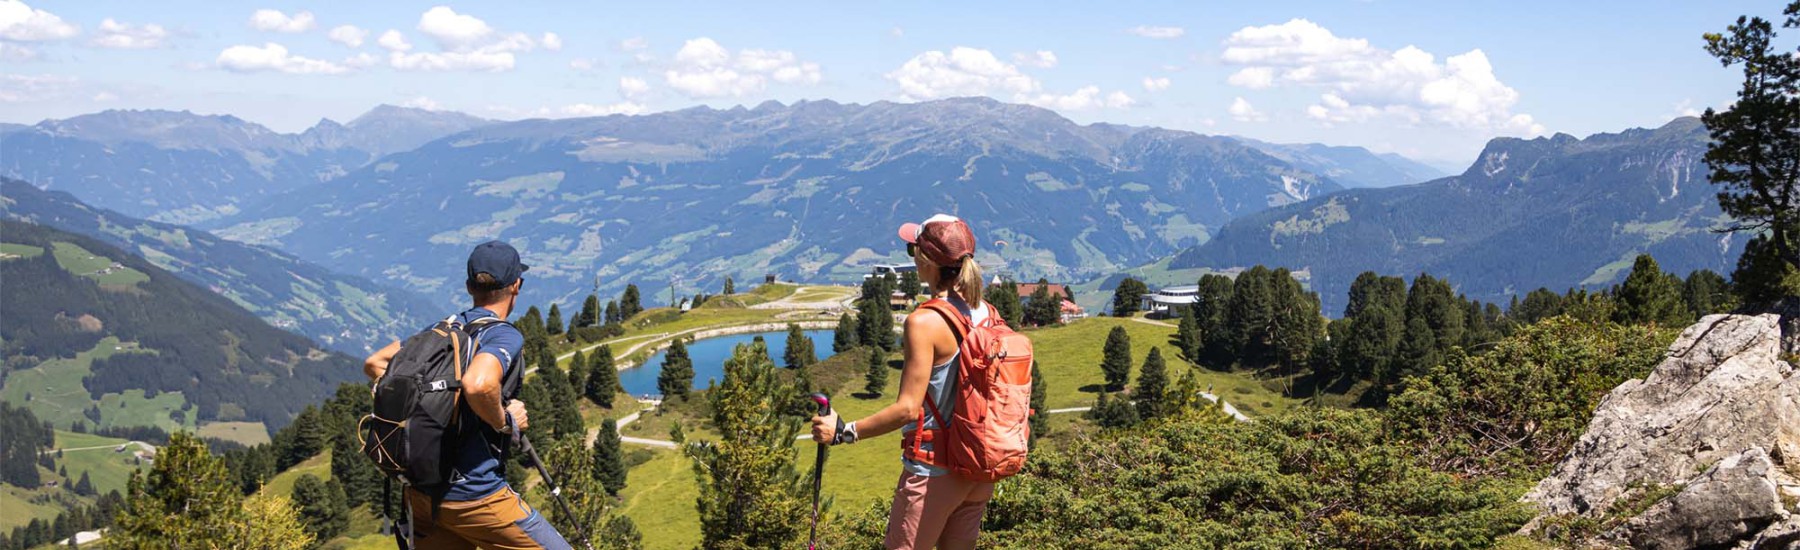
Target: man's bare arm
{"x":377,"y":363}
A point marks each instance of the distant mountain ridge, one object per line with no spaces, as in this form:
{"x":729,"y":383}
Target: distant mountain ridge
{"x":182,"y":167}
{"x":1351,"y":166}
{"x":349,"y":314}
{"x":1556,"y":212}
{"x":171,"y":336}
{"x":811,"y":191}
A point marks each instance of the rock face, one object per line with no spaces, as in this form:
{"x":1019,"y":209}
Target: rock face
{"x":1719,"y":419}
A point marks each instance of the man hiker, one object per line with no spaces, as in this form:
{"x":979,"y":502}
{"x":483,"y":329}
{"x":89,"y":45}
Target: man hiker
{"x":479,"y":510}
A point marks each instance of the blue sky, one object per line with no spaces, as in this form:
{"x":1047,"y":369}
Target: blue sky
{"x":1431,"y":80}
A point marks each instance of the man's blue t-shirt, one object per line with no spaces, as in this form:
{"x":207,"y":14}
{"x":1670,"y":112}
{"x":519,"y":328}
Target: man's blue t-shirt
{"x":478,"y":472}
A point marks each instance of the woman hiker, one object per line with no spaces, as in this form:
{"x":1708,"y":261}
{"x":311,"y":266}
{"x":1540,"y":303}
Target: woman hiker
{"x":932,"y":507}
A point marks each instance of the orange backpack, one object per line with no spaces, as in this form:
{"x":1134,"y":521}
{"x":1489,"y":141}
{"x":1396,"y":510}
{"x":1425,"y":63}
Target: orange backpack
{"x":986,"y":436}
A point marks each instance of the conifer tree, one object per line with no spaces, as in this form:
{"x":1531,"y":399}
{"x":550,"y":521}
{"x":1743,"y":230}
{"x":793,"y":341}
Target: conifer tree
{"x":554,"y":323}
{"x":1116,"y":359}
{"x":1153,"y":382}
{"x":630,"y":303}
{"x":187,"y":500}
{"x":609,"y":458}
{"x":909,"y":283}
{"x":1128,"y":297}
{"x":1297,"y":322}
{"x":612,"y":313}
{"x":1212,"y":314}
{"x":1650,"y":296}
{"x":1250,"y":316}
{"x":875,"y":325}
{"x":844,"y":337}
{"x":1752,"y":154}
{"x":1706,"y":293}
{"x":677,"y":376}
{"x":1187,"y":334}
{"x":752,"y":494}
{"x":730,"y":287}
{"x":323,"y":507}
{"x":875,"y":380}
{"x":1043,"y":309}
{"x":602,"y":383}
{"x":799,"y":353}
{"x":1003,"y":298}
{"x":590,"y":313}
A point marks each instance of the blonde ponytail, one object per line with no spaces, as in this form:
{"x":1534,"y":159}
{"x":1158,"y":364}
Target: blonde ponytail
{"x":968,"y":281}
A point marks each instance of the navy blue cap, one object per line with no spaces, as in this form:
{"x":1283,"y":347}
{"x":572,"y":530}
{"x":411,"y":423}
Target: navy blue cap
{"x":498,"y":259}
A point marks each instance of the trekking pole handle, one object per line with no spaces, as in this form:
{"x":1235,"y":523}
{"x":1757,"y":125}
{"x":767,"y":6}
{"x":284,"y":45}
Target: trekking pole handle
{"x":824,"y":402}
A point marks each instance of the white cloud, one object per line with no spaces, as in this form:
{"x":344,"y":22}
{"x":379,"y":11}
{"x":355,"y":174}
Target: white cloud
{"x":1255,"y":78}
{"x":348,"y":35}
{"x":126,"y":36}
{"x":452,"y":61}
{"x":273,"y":57}
{"x":274,"y":21}
{"x":1243,"y":111}
{"x":1160,"y":33}
{"x":23,"y":88}
{"x":1362,"y":82}
{"x":393,"y":41}
{"x":1156,"y":84}
{"x":1042,"y":59}
{"x":585,"y":64}
{"x":105,"y":97}
{"x":1686,"y":108}
{"x":962,"y":72}
{"x":422,"y":102}
{"x":20,"y":22}
{"x":16,"y":54}
{"x":465,"y":43}
{"x":702,"y":69}
{"x":362,"y":60}
{"x":1088,"y":97}
{"x":976,"y":72}
{"x":453,"y":31}
{"x":633,"y":88}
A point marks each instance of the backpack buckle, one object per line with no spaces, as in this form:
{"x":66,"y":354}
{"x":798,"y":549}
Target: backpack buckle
{"x":440,"y":385}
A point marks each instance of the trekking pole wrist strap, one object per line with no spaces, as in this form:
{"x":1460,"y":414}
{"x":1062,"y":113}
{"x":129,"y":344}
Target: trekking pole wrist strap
{"x":846,"y":433}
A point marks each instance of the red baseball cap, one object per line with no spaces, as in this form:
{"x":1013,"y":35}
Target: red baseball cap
{"x":944,"y":239}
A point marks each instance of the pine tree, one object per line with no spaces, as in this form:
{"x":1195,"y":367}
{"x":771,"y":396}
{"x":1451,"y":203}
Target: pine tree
{"x":85,"y":487}
{"x":1752,"y":154}
{"x":564,"y":414}
{"x":590,"y":313}
{"x":1153,"y":382}
{"x":909,"y":284}
{"x":1040,"y":414}
{"x":1128,"y":297}
{"x":1043,"y":309}
{"x":323,"y":509}
{"x":602,"y":383}
{"x":1372,"y":341}
{"x":187,"y":500}
{"x":612,"y":313}
{"x":1250,"y":316}
{"x":677,"y":376}
{"x":354,"y":472}
{"x":1298,"y":323}
{"x":554,"y":323}
{"x":875,"y":325}
{"x":531,"y":324}
{"x":752,"y":494}
{"x":1187,"y":334}
{"x":844,"y":337}
{"x":799,"y":353}
{"x":1116,"y":361}
{"x":1003,"y":300}
{"x":1114,"y":412}
{"x":590,"y":506}
{"x":875,"y":380}
{"x":1538,"y":305}
{"x":1705,"y":293}
{"x":630,"y":304}
{"x":609,"y":458}
{"x":730,"y":287}
{"x":1418,"y":351}
{"x":1212,"y":314}
{"x":1650,"y":296}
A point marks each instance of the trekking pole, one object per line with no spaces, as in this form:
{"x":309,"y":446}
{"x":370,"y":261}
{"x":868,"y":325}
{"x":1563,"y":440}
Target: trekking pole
{"x":556,"y":491}
{"x":812,"y":541}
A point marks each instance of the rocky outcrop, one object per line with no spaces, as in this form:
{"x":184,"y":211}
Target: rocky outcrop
{"x":1703,"y":452}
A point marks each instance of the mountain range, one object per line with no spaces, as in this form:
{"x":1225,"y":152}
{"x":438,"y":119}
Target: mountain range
{"x":1555,"y":212}
{"x":346,"y":313}
{"x":181,"y":167}
{"x":810,"y":191}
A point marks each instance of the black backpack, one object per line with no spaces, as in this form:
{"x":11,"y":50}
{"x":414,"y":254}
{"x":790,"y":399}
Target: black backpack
{"x":411,"y":435}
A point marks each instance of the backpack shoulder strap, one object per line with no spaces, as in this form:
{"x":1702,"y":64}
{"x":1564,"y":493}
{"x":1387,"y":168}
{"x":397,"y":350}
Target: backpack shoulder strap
{"x":959,"y":324}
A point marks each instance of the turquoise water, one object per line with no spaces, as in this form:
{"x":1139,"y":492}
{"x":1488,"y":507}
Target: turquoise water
{"x":709,"y":358}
